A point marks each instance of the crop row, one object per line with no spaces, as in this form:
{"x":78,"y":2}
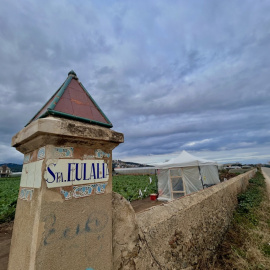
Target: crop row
{"x":134,"y":187}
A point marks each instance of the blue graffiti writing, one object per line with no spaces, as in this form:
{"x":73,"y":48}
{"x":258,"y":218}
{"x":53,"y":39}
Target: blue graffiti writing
{"x":49,"y":228}
{"x":96,"y":222}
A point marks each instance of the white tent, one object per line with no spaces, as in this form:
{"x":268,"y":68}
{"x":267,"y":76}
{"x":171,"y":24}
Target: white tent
{"x":185,"y":174}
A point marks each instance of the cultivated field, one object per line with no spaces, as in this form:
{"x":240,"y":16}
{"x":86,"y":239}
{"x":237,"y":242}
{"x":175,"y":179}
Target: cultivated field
{"x":132,"y":187}
{"x":9,"y":188}
{"x":129,"y":186}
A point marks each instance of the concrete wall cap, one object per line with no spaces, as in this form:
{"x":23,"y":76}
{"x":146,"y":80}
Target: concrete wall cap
{"x":159,"y":213}
{"x":65,"y":127}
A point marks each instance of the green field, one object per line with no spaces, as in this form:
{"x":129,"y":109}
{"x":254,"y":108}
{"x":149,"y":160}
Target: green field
{"x":9,"y":188}
{"x":127,"y":185}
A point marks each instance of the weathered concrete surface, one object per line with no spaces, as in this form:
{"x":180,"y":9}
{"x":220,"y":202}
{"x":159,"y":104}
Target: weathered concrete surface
{"x":178,"y":234}
{"x":127,"y":244}
{"x":125,"y":233}
{"x":53,"y":130}
{"x":52,"y":231}
{"x":266,"y":174}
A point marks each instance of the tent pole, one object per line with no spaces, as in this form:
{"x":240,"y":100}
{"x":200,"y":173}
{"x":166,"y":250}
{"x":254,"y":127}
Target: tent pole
{"x":201,"y":176}
{"x":156,"y":179}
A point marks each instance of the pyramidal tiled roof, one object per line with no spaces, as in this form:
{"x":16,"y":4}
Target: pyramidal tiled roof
{"x":73,"y":101}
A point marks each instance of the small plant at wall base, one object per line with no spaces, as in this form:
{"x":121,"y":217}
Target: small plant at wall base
{"x":250,"y":200}
{"x":266,"y":249}
{"x":247,"y":242}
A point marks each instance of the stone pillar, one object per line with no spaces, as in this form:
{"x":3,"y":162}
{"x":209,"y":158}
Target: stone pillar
{"x":64,"y":212}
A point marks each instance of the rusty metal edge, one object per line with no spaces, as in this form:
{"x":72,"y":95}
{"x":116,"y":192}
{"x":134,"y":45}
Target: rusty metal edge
{"x":73,"y":117}
{"x":60,"y":93}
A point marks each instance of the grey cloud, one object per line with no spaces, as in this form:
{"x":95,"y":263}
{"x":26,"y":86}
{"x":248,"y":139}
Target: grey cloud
{"x":105,"y":70}
{"x":170,"y":75}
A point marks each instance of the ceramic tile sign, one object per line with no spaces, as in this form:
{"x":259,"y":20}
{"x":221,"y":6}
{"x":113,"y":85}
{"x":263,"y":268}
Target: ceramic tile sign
{"x":31,"y":174}
{"x":70,"y":172}
{"x":63,"y":152}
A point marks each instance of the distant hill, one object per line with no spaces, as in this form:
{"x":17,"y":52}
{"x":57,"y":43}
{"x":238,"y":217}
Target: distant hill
{"x":127,"y":164}
{"x":14,"y":167}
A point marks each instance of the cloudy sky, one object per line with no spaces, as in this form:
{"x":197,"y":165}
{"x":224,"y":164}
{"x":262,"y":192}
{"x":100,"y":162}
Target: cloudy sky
{"x":171,"y":75}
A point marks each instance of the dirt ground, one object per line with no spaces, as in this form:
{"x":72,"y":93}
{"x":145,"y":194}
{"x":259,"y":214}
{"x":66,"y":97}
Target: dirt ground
{"x":6,"y":230}
{"x":5,"y":238}
{"x":226,"y":174}
{"x":143,"y":204}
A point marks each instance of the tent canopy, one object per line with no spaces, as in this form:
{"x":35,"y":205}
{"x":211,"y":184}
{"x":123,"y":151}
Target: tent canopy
{"x":185,"y":174}
{"x":185,"y":160}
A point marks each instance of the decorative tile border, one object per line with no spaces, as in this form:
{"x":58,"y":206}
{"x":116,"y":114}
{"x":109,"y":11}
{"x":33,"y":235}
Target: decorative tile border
{"x":26,"y":194}
{"x":84,"y":191}
{"x":63,"y":152}
{"x":41,"y":153}
{"x":88,"y":156}
{"x":27,"y":158}
{"x":100,"y":154}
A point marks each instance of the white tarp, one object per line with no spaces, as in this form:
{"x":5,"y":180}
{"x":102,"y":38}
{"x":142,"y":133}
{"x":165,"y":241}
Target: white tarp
{"x":192,"y":179}
{"x":185,"y":174}
{"x":209,"y":175}
{"x":185,"y":160}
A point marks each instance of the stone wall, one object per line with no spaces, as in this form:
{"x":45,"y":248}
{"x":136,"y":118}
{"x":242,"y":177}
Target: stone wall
{"x":175,"y":235}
